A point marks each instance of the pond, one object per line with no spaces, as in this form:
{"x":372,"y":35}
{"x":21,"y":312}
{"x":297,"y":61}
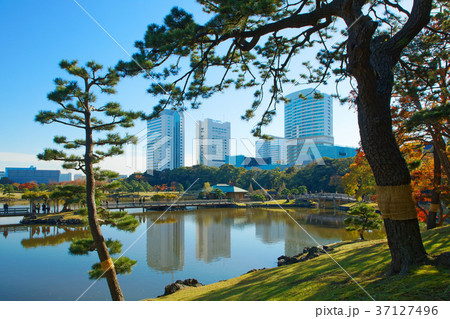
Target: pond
{"x":207,"y":244}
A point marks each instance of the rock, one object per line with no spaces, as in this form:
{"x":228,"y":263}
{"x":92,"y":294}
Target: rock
{"x":308,"y":253}
{"x":179,"y":284}
{"x":192,"y":283}
{"x":253,"y":270}
{"x":173,"y":287}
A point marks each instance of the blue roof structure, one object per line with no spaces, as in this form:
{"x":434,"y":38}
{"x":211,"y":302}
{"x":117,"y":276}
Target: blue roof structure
{"x":229,"y":189}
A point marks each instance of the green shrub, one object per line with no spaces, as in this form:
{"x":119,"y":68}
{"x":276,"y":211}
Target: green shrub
{"x":122,"y":266}
{"x":363,"y":217}
{"x":82,"y":211}
{"x":117,"y":214}
{"x":85,"y":245}
{"x":258,"y":197}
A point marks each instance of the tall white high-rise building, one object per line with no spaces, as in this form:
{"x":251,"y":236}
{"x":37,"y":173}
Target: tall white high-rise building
{"x":213,"y":142}
{"x":308,"y":123}
{"x":275,"y":148}
{"x":165,"y":141}
{"x":307,"y":116}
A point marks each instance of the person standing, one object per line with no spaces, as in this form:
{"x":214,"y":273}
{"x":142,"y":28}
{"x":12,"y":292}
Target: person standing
{"x":38,"y":208}
{"x":44,"y":208}
{"x":5,"y":208}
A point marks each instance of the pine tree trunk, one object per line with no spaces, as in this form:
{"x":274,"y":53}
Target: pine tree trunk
{"x":99,"y":241}
{"x":389,"y":169}
{"x":435,"y":195}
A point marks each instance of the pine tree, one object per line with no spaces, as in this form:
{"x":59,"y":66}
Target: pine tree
{"x":78,"y":110}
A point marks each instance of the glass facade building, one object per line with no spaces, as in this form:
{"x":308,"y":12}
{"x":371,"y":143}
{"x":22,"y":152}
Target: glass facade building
{"x":165,"y":141}
{"x":212,"y":142}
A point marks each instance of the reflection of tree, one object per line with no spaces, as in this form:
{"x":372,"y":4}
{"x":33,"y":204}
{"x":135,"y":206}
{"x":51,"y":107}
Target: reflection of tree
{"x":165,"y":243}
{"x":213,"y":236}
{"x":53,"y":235}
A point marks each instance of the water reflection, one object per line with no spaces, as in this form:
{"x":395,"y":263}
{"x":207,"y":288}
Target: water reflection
{"x":165,"y":243}
{"x":213,"y":236}
{"x":52,"y":235}
{"x":270,"y":231}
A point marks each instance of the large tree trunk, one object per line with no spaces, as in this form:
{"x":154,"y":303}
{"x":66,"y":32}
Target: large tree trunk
{"x":372,"y":67}
{"x":102,"y":250}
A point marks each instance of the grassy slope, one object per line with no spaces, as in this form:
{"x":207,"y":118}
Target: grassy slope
{"x":322,"y":279}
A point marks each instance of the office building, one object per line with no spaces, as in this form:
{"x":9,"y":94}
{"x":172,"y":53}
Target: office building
{"x":65,"y":177}
{"x":165,"y":141}
{"x":263,"y":163}
{"x":213,"y":142}
{"x":309,"y":115}
{"x":77,"y":177}
{"x":274,"y":148}
{"x":31,"y":174}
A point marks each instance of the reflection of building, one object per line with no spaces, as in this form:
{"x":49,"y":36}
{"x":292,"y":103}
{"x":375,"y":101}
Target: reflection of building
{"x":213,"y":142}
{"x":31,"y":174}
{"x":165,"y":141}
{"x":269,"y":231}
{"x":213,"y":238}
{"x":165,"y":243}
{"x":295,"y":239}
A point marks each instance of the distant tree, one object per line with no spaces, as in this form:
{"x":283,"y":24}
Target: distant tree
{"x":77,"y":110}
{"x":285,"y":192}
{"x":250,"y":188}
{"x":302,"y":189}
{"x":359,"y":181}
{"x":5,"y":181}
{"x":258,"y":197}
{"x":8,"y":190}
{"x":207,"y":188}
{"x":363,"y":218}
{"x":219,"y":193}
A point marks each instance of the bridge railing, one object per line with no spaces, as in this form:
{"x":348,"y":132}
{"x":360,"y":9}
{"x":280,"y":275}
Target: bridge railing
{"x":12,"y":211}
{"x":168,"y":203}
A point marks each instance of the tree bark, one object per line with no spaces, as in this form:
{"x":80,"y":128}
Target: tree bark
{"x":435,"y":195}
{"x":102,"y":250}
{"x":371,"y":63}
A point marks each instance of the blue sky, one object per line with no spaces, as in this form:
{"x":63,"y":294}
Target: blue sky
{"x":37,"y":35}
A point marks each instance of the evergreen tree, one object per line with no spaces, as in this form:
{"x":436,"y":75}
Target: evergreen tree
{"x":363,"y":217}
{"x":77,"y":109}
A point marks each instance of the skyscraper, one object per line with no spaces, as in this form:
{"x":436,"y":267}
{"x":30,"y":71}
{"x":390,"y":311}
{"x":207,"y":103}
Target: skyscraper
{"x":308,"y":123}
{"x":165,"y":141}
{"x":308,"y":116}
{"x":213,"y":142}
{"x":275,"y":149}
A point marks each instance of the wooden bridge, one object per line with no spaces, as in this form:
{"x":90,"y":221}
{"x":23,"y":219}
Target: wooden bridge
{"x":327,"y":197}
{"x":176,"y":205}
{"x":14,"y":212}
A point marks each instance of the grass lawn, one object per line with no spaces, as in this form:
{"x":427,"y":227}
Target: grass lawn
{"x":65,"y":215}
{"x":322,"y":279}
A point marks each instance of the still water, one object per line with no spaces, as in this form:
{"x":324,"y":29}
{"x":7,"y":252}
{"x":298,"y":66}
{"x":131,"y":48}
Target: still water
{"x":209,"y":245}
